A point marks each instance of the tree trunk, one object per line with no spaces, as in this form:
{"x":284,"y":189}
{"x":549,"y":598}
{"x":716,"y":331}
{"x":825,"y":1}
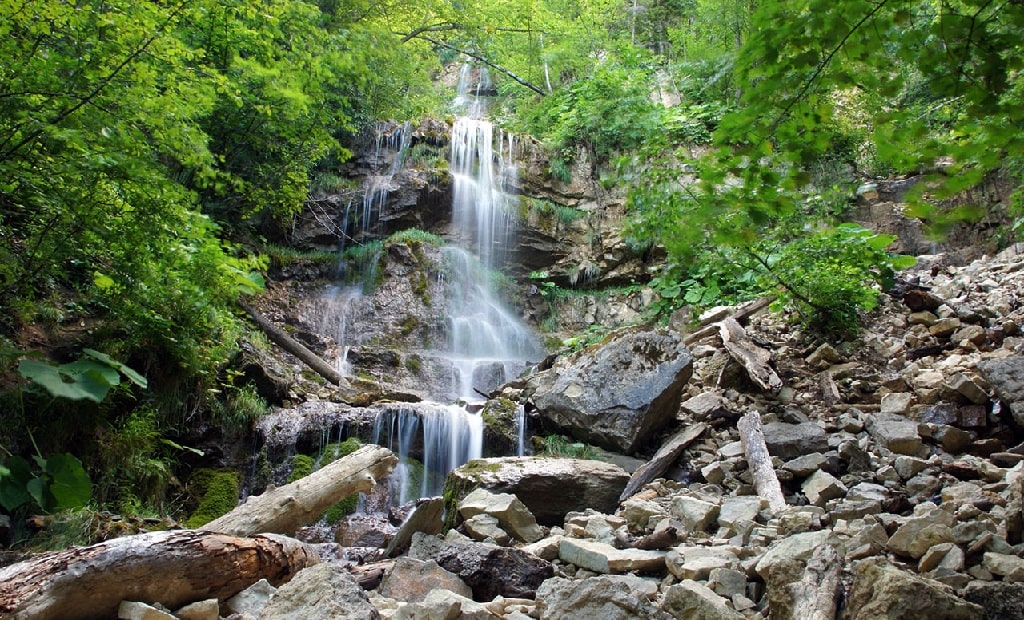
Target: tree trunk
{"x":284,"y":510}
{"x":760,"y":462}
{"x":293,"y":346}
{"x":172,"y":568}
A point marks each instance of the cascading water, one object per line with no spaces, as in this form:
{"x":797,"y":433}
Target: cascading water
{"x":484,"y":344}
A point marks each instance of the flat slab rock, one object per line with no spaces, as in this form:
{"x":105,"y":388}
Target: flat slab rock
{"x":549,"y":487}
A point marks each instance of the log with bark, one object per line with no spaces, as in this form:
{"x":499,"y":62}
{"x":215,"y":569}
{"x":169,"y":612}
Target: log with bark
{"x":293,"y":346}
{"x":285,"y":509}
{"x":759,"y":461}
{"x":172,"y":568}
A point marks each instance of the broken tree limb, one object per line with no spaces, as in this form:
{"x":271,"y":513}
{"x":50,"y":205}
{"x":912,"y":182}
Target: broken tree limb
{"x":760,"y":462}
{"x":744,"y":312}
{"x":285,"y":509}
{"x":513,"y":76}
{"x":662,"y":460}
{"x":816,"y":594}
{"x":172,"y":568}
{"x":293,"y":346}
{"x":753,"y":358}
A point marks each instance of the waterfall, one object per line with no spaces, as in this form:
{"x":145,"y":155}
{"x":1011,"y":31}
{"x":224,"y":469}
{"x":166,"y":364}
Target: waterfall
{"x":450,"y":436}
{"x":484,"y":342}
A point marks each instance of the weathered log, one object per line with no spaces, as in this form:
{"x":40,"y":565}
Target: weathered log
{"x":744,"y":312}
{"x":759,"y":461}
{"x":285,"y":509}
{"x":172,"y":568}
{"x":662,"y":460}
{"x":369,"y":576}
{"x":829,"y":390}
{"x":293,"y":346}
{"x":753,"y":358}
{"x":816,"y":595}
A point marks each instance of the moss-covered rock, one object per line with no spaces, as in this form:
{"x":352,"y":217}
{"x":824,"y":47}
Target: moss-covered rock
{"x":302,"y":466}
{"x":217,"y":493}
{"x":500,"y":434}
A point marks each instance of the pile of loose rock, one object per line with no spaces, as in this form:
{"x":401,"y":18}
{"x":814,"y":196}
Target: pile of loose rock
{"x":899,"y":457}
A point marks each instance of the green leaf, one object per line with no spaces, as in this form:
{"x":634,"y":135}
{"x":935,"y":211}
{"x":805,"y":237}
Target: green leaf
{"x":36,"y":487}
{"x":13,"y":491}
{"x":70,"y":484}
{"x":58,"y":384}
{"x":902,"y":261}
{"x":127,"y":371}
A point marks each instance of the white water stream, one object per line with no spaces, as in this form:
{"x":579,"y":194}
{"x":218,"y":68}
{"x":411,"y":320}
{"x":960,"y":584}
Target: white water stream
{"x":486,"y":344}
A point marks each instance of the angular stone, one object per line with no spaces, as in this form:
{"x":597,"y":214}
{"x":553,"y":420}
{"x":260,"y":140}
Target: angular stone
{"x":638,"y":513}
{"x":728,"y":582}
{"x":714,"y":473}
{"x":803,"y":466}
{"x":619,"y":395}
{"x":916,"y":536}
{"x":131,"y":610}
{"x":968,"y":388}
{"x":896,"y":402}
{"x":689,"y":600}
{"x":605,"y":596}
{"x":425,"y":517}
{"x":821,"y":487}
{"x":320,"y":591}
{"x":1006,"y":376}
{"x":824,"y":356}
{"x":411,"y":580}
{"x":1009,"y":567}
{"x":545,"y":548}
{"x":795,"y":547}
{"x":200,"y":610}
{"x":934,"y":556}
{"x":952,"y":439}
{"x":895,"y":433}
{"x":252,"y":600}
{"x":1002,"y":601}
{"x":491,"y":570}
{"x":695,"y":514}
{"x":735,"y":510}
{"x":700,"y":407}
{"x":908,"y":466}
{"x":549,"y":487}
{"x":945,"y":327}
{"x":482,"y":527}
{"x":788,"y":441}
{"x":512,"y":515}
{"x":604,"y":558}
{"x":883,"y":592}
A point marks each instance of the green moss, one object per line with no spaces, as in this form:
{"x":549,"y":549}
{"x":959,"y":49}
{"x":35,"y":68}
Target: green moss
{"x":408,"y":324}
{"x":302,"y":466}
{"x":561,"y":446}
{"x":334,"y":451}
{"x":454,"y":491}
{"x":342,"y":509}
{"x":217,"y":493}
{"x":414,"y":364}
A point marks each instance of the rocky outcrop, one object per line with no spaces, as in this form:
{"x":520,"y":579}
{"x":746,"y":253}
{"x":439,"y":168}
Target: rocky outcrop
{"x":549,"y":487}
{"x":322,"y":591}
{"x":617,"y":394}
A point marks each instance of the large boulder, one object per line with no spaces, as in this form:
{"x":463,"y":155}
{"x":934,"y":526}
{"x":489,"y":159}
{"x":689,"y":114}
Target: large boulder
{"x":883,"y":592}
{"x":321,"y":591}
{"x":618,"y":394}
{"x":1006,"y":376}
{"x":489,"y":570}
{"x":611,"y":597}
{"x":549,"y":487}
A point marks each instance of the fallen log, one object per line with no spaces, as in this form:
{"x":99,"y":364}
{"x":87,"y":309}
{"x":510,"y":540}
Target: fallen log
{"x":759,"y":461}
{"x":285,"y":509}
{"x":753,"y":358}
{"x":662,"y":460}
{"x":171,"y":568}
{"x":744,"y":312}
{"x":293,"y":346}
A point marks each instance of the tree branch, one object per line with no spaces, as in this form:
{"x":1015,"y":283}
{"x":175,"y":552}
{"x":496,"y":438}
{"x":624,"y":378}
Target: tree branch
{"x":516,"y":78}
